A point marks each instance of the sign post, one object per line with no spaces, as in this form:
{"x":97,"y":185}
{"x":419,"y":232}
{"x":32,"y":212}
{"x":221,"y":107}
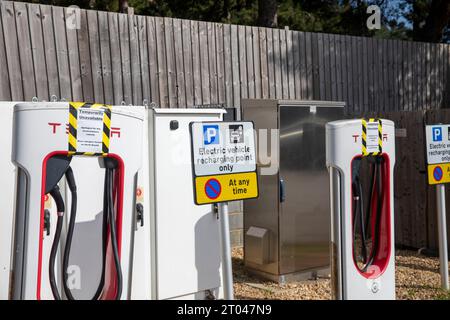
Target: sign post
{"x":438,"y":159}
{"x":224,"y":169}
{"x":226,"y":251}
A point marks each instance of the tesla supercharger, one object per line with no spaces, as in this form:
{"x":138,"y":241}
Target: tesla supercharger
{"x":8,"y":176}
{"x":361,"y":156}
{"x":177,"y":244}
{"x":77,"y":168}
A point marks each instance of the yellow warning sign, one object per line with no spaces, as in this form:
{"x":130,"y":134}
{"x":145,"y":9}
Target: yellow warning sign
{"x":89,"y":128}
{"x":372,"y":137}
{"x":439,"y":173}
{"x":226,"y":187}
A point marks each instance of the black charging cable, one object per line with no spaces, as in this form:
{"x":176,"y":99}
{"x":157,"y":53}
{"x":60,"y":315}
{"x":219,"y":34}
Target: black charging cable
{"x":56,"y":195}
{"x":108,"y":220}
{"x":109,"y":178}
{"x":376,"y":237}
{"x":365,"y":218}
{"x":358,"y":213}
{"x":73,"y":212}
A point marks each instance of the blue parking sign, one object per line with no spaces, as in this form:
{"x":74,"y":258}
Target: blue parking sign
{"x":437,"y":133}
{"x":210,"y":134}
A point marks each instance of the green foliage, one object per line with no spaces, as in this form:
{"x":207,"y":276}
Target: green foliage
{"x":229,"y":11}
{"x":104,"y":5}
{"x":401,"y":19}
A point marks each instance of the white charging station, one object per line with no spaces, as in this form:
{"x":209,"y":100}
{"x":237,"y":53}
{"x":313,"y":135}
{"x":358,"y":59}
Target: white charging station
{"x":8,"y":174}
{"x":348,"y":142}
{"x":41,"y":132}
{"x":177,"y":243}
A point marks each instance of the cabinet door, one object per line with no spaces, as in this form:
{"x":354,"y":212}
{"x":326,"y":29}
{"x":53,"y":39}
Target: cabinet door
{"x":263,"y":212}
{"x":305,"y":211}
{"x":187,"y":236}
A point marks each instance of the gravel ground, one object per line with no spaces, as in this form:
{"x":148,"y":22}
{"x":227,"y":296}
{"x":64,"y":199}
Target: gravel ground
{"x":417,"y":277}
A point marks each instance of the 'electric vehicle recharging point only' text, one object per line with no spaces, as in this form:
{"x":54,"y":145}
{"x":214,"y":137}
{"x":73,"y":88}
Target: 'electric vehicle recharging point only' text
{"x":361,"y":157}
{"x":91,"y":145}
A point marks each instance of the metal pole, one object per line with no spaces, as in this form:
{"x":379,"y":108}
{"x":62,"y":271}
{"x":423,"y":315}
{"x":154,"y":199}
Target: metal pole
{"x":226,"y":252}
{"x":442,"y":229}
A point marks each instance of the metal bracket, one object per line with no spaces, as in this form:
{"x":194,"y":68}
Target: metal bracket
{"x":47,"y":222}
{"x":140,"y":214}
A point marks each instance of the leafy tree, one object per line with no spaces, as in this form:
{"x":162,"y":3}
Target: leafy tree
{"x":267,"y":13}
{"x":422,"y":20}
{"x":430,"y":19}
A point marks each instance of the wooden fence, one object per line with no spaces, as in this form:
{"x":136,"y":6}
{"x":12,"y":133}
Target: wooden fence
{"x":110,"y":58}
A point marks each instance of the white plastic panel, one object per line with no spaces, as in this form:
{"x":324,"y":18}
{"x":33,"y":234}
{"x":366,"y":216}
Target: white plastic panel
{"x":7,"y":184}
{"x":143,"y":271}
{"x":187,"y":236}
{"x":343,"y":143}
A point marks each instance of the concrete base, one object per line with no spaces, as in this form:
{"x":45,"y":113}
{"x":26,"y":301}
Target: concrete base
{"x":304,"y":275}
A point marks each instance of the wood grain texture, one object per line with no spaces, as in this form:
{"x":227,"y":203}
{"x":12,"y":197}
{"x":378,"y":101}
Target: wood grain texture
{"x":96,"y":60}
{"x":116,"y":57}
{"x":112,"y":57}
{"x":187,"y":60}
{"x":162,"y":62}
{"x":5,"y":85}
{"x":12,"y":50}
{"x":153,"y":60}
{"x":135,"y":60}
{"x":179,"y":64}
{"x":72,"y":24}
{"x":144,"y":60}
{"x":105,"y":56}
{"x":25,"y":54}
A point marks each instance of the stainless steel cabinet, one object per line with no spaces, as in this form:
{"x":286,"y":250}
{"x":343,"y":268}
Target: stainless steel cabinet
{"x":287,"y":227}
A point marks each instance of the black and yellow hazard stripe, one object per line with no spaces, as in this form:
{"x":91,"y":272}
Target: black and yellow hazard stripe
{"x":73,"y":124}
{"x":364,"y":137}
{"x":106,"y":129}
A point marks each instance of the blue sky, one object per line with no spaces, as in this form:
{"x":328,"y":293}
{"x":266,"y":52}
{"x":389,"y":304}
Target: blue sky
{"x":395,"y":5}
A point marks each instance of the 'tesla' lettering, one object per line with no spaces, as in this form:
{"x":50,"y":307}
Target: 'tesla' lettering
{"x":201,"y":311}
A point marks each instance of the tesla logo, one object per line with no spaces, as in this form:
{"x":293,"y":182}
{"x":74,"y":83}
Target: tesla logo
{"x":115,"y":131}
{"x":54,"y":125}
{"x":356,"y":136}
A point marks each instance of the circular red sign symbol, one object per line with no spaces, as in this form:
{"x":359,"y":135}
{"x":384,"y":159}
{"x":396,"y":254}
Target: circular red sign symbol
{"x":213,"y":188}
{"x":438,"y":173}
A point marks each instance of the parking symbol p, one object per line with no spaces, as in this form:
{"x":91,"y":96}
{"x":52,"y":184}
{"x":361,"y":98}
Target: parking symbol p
{"x":210,"y":134}
{"x":437,"y":133}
